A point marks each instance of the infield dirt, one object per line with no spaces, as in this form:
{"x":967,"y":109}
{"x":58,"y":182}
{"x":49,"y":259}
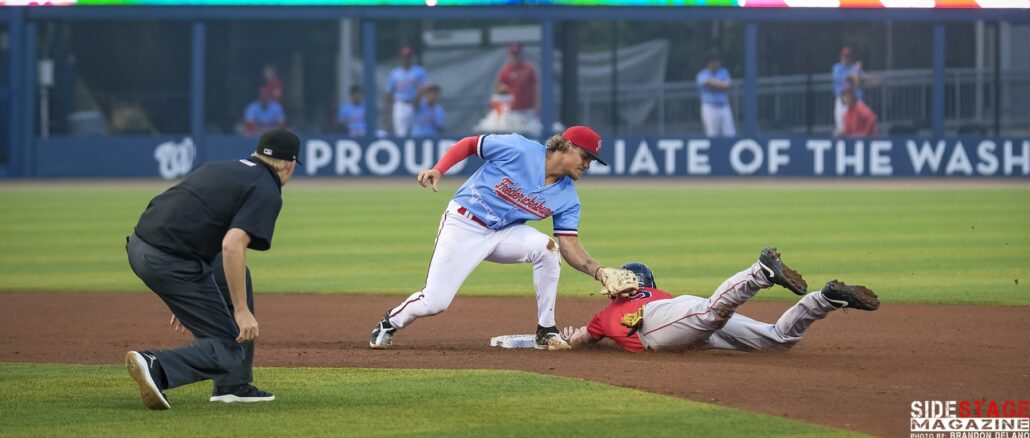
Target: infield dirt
{"x":855,"y":370}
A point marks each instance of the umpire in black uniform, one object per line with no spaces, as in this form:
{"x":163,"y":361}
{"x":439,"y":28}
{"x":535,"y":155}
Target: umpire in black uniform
{"x":189,"y":247}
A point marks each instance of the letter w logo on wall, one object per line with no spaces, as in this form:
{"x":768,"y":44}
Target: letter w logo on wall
{"x":175,"y":159}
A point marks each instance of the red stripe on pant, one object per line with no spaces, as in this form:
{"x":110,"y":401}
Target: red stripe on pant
{"x":716,"y":300}
{"x":420,"y":296}
{"x":436,"y":242}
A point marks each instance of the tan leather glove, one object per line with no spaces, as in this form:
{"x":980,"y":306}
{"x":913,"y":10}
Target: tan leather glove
{"x":618,"y":282}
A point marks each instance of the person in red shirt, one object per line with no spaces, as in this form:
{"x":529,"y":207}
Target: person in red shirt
{"x":519,"y":78}
{"x":652,"y":319}
{"x":859,"y":119}
{"x":273,"y":85}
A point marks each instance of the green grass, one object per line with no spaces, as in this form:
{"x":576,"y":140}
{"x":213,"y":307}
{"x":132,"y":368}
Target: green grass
{"x":932,"y":246}
{"x":95,"y":400}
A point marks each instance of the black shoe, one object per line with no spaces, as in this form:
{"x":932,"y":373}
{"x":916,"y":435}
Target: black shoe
{"x":548,"y":338}
{"x":781,"y":274}
{"x":144,"y":369}
{"x":242,"y":394}
{"x":853,"y":297}
{"x":382,"y":334}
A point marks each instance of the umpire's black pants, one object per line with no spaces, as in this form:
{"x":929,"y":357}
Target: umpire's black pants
{"x":198,"y":295}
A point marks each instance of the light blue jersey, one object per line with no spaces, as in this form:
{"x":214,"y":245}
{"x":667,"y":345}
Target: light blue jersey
{"x":840,"y":74}
{"x":405,"y":83}
{"x":510,"y":189}
{"x":354,"y":117}
{"x":429,"y":120}
{"x":713,"y":96}
{"x":272,"y":114}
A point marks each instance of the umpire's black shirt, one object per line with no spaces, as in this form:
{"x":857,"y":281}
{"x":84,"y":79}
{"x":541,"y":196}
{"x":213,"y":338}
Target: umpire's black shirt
{"x":191,"y":219}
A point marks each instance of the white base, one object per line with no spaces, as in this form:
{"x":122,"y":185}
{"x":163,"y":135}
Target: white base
{"x":230,"y":398}
{"x":514,"y":341}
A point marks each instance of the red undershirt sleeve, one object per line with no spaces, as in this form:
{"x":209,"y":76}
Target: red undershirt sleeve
{"x":461,"y":150}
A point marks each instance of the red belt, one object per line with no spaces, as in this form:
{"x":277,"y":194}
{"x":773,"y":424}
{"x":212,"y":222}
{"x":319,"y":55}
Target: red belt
{"x":464,"y":212}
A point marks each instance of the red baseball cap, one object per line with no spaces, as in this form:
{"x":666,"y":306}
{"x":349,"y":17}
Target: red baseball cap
{"x":586,"y":139}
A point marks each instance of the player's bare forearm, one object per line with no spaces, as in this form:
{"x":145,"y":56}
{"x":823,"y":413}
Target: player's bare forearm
{"x":579,"y":337}
{"x":857,"y":78}
{"x":576,"y":256}
{"x":234,"y":261}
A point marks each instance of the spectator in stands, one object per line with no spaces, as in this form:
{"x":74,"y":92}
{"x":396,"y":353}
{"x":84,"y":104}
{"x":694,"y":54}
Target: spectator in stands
{"x":859,"y":119}
{"x":130,"y":118}
{"x":351,"y":116}
{"x":402,"y":88}
{"x":273,"y":84}
{"x":843,"y":71}
{"x":429,"y":116}
{"x":263,"y":114}
{"x":714,"y":82}
{"x":519,"y":79}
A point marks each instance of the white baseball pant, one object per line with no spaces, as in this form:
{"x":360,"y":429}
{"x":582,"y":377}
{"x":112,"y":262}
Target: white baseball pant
{"x":403,"y":117}
{"x":838,"y":116}
{"x":690,"y":322}
{"x":718,"y":120}
{"x":461,"y":245}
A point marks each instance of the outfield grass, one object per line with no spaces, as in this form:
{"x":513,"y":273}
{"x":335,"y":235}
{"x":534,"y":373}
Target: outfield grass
{"x":932,"y":246}
{"x":84,"y":400}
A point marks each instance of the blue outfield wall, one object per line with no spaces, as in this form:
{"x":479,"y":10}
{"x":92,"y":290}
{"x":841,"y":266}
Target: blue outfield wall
{"x":329,"y":156}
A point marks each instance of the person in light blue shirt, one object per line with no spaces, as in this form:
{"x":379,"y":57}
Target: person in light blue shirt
{"x":520,"y":181}
{"x":842,"y":71}
{"x":429,"y":116}
{"x":402,"y":87}
{"x":263,"y":114}
{"x":714,"y":82}
{"x":351,"y":115}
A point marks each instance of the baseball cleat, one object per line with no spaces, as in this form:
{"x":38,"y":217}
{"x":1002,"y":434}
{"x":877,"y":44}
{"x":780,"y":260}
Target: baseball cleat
{"x":240,"y":394}
{"x":853,"y":297}
{"x":140,"y":369}
{"x":382,"y":334}
{"x":548,"y":338}
{"x":781,"y":274}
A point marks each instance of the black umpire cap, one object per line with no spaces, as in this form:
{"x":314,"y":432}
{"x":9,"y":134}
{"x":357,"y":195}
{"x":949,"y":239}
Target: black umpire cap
{"x":279,"y":143}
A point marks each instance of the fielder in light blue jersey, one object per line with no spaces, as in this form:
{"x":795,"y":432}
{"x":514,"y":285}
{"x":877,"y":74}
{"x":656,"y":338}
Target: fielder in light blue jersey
{"x":493,"y":195}
{"x":522,"y":180}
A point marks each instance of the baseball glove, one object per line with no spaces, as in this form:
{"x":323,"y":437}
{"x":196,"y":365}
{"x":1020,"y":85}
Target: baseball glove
{"x":618,"y":282}
{"x":633,"y":320}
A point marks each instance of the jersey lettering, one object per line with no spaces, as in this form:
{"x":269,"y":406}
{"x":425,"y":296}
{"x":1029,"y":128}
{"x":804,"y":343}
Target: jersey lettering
{"x":512,"y":188}
{"x":514,"y":195}
{"x":641,"y":294}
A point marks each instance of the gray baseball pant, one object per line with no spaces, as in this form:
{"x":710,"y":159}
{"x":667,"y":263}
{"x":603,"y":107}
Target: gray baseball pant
{"x":692,"y":322}
{"x":198,"y":295}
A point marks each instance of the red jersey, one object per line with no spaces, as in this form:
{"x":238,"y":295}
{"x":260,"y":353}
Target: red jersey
{"x":859,"y":121}
{"x":521,"y":83}
{"x":606,"y":323}
{"x":274,"y":88}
